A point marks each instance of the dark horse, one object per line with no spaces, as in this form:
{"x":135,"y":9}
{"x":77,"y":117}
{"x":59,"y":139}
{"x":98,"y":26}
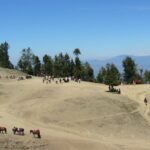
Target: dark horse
{"x":3,"y":130}
{"x":145,"y":101}
{"x":36,"y":132}
{"x":66,"y":80}
{"x":19,"y":131}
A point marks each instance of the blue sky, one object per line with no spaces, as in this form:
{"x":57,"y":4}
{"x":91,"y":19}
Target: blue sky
{"x":100,"y":28}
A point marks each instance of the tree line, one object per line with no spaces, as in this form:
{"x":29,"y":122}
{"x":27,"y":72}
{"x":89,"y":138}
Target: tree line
{"x":62,"y":65}
{"x":110,"y":74}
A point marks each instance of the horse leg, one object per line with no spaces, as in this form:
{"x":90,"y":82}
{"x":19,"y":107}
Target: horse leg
{"x":5,"y":131}
{"x":39,"y":136}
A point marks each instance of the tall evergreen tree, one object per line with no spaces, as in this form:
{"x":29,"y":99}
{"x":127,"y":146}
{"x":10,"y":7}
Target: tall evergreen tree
{"x":57,"y":67}
{"x":112,"y":77}
{"x":87,"y":72}
{"x":101,"y":75}
{"x":78,"y":65}
{"x":26,"y":61}
{"x":48,"y":65}
{"x":4,"y":57}
{"x":66,"y":65}
{"x":130,"y":70}
{"x":71,"y":68}
{"x":77,"y":68}
{"x":36,"y":66}
{"x":147,"y":76}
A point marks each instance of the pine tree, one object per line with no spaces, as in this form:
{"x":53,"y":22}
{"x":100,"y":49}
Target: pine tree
{"x":147,"y":76}
{"x":26,"y":61}
{"x":130,"y":70}
{"x":48,"y":65}
{"x":78,"y":65}
{"x":87,"y":72}
{"x":36,"y":66}
{"x":101,"y":75}
{"x":4,"y":57}
{"x":66,"y":65}
{"x":112,"y":77}
{"x":71,"y":67}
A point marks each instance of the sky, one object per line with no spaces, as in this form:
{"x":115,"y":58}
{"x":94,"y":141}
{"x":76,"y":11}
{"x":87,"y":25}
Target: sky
{"x":100,"y":28}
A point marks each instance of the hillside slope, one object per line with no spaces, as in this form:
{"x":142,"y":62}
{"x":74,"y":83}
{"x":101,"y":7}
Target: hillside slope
{"x":9,"y":72}
{"x":74,"y":116}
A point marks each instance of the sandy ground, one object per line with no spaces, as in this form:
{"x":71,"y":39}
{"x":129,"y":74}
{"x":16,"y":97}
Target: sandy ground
{"x":74,"y":116}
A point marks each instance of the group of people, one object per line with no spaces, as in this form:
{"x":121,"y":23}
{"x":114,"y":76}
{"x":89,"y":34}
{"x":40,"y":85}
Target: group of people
{"x":49,"y":79}
{"x":112,"y":89}
{"x":8,"y":77}
{"x":20,"y":131}
{"x":26,"y":77}
{"x":16,"y":77}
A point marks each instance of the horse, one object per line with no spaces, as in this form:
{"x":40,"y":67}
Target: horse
{"x":66,"y":80}
{"x":20,"y":131}
{"x":3,"y":130}
{"x":145,"y":101}
{"x":35,"y":132}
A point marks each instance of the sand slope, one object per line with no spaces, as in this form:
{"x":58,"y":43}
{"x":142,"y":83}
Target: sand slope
{"x":7,"y":72}
{"x":74,"y":116}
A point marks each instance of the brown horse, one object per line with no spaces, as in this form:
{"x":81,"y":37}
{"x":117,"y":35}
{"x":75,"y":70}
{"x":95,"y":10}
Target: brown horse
{"x":36,"y":132}
{"x":3,"y":130}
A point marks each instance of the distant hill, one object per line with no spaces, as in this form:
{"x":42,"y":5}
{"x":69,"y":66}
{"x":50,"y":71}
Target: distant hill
{"x":141,"y":61}
{"x":8,"y":72}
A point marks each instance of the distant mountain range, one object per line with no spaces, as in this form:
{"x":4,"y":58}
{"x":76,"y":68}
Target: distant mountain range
{"x":141,"y":61}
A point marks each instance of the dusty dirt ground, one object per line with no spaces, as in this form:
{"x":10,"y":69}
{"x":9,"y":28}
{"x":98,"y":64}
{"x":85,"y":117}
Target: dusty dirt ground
{"x":74,"y":116}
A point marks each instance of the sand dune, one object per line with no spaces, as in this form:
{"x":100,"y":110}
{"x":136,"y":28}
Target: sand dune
{"x":74,"y":116}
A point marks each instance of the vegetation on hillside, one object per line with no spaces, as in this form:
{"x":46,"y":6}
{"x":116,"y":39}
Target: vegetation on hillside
{"x":110,"y":74}
{"x":62,"y":65}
